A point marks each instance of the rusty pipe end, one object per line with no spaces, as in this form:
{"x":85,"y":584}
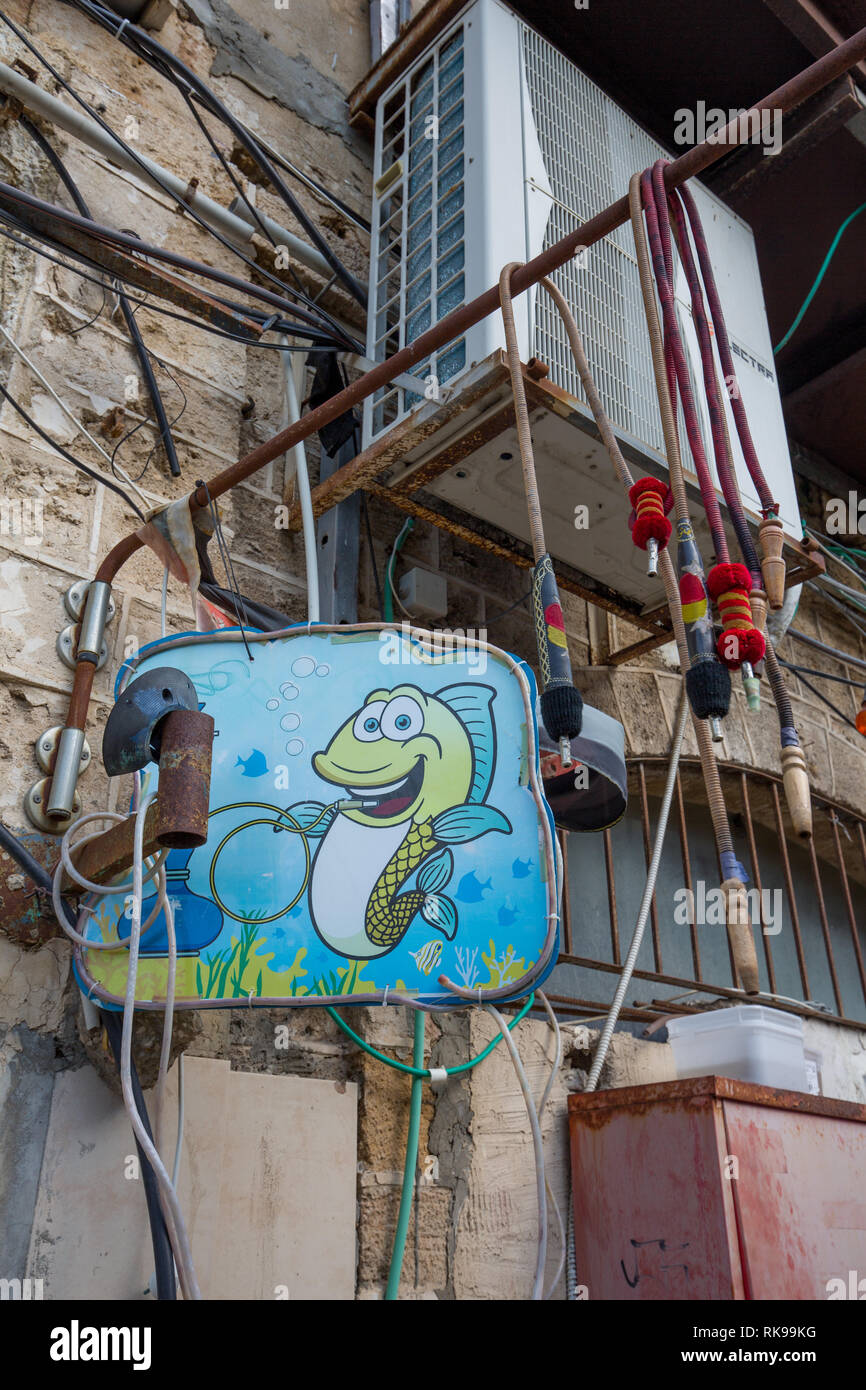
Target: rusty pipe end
{"x":184,"y":779}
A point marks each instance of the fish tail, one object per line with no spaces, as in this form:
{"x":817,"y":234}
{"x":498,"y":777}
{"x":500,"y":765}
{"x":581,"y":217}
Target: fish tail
{"x":441,"y":913}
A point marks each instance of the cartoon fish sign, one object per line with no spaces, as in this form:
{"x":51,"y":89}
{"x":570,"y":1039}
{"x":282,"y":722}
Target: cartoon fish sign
{"x":416,"y":770}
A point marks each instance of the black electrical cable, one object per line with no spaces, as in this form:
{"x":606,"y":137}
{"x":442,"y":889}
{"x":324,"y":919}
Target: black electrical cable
{"x":134,"y":331}
{"x":380,"y":599}
{"x":24,"y":859}
{"x":141,"y":423}
{"x":247,"y":611}
{"x":142,"y":44}
{"x":133,"y":154}
{"x":70,"y":458}
{"x":509,"y":609}
{"x":824,"y":700}
{"x":280,"y":326}
{"x":163,"y":1258}
{"x":159,"y":253}
{"x":824,"y":675}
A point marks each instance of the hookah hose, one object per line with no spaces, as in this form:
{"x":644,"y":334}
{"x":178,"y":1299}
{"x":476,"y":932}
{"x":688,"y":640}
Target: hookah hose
{"x":733,"y":873}
{"x":742,"y":643}
{"x":708,"y":681}
{"x":561,"y":703}
{"x":743,"y":635}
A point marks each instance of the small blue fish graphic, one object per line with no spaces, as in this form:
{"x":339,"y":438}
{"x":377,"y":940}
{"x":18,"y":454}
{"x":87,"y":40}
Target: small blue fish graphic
{"x":256,"y":765}
{"x":507,"y":915}
{"x":521,"y":870}
{"x":471,"y":890}
{"x":427,"y":956}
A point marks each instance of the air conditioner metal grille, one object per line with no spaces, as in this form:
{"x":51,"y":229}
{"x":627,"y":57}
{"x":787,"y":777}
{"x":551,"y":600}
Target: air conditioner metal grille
{"x":590,"y":150}
{"x":418,"y":241}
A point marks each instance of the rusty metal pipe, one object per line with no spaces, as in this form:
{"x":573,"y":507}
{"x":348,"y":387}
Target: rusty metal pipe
{"x":804,"y":85}
{"x":177,"y":819}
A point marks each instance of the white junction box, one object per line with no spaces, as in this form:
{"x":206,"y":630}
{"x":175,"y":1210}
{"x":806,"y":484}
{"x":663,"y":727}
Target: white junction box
{"x":749,"y":1042}
{"x":490,"y":147}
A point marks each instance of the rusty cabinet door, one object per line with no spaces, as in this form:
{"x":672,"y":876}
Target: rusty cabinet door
{"x":653,"y":1211}
{"x":716,"y":1189}
{"x":800,"y":1198}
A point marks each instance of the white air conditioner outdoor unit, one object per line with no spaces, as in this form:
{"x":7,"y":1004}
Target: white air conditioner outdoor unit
{"x":490,"y":147}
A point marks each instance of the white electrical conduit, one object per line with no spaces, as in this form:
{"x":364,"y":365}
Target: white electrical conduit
{"x":171,"y":1205}
{"x":145,"y":502}
{"x":83,"y":128}
{"x":155,"y":871}
{"x":649,"y":889}
{"x":298,"y":457}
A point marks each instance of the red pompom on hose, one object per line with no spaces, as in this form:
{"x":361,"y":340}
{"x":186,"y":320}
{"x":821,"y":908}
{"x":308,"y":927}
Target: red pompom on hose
{"x":648,"y":497}
{"x":740,"y":641}
{"x":650,"y":528}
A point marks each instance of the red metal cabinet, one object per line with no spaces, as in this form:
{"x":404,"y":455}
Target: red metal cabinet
{"x":712,"y":1188}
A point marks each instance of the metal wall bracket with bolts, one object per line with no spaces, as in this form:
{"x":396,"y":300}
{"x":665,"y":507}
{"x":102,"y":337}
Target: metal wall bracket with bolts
{"x":76,"y":597}
{"x":46,"y":750}
{"x":67,"y":647}
{"x":35,"y":803}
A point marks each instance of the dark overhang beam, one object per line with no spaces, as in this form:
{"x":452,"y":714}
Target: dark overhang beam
{"x":808,"y":23}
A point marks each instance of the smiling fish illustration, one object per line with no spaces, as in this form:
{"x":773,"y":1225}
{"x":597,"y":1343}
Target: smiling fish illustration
{"x":416,"y":769}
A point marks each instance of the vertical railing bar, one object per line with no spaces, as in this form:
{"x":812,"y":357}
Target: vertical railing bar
{"x":849,"y":905}
{"x":792,"y":897}
{"x":756,"y":874}
{"x":647,"y":848}
{"x":825,"y":925}
{"x":611,"y":898}
{"x":566,"y":894}
{"x":687,"y":877}
{"x":735,"y":979}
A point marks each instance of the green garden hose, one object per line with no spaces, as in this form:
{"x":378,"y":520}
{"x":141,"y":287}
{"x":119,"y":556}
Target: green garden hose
{"x":410,"y":1164}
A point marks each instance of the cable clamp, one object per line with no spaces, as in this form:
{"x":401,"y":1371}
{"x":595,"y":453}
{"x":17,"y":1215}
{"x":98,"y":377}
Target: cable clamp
{"x":385,"y":996}
{"x":438,"y":1077}
{"x":121,"y":27}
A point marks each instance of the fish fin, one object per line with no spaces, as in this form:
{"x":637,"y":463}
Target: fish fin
{"x":461,"y":823}
{"x":312,"y":816}
{"x":436,"y":872}
{"x":471,"y":703}
{"x":441,"y":913}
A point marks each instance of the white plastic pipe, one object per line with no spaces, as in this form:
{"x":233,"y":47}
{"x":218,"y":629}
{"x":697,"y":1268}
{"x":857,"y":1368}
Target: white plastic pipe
{"x":298,"y":456}
{"x":649,"y":889}
{"x":91,"y":133}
